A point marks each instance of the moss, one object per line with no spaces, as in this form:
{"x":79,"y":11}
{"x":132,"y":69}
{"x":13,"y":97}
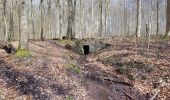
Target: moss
{"x":66,"y":42}
{"x":73,"y":67}
{"x":77,"y":70}
{"x":68,"y":66}
{"x":69,"y":98}
{"x":21,"y":53}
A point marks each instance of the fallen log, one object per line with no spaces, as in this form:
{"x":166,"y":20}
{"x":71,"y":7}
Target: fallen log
{"x":118,"y":81}
{"x":102,"y":78}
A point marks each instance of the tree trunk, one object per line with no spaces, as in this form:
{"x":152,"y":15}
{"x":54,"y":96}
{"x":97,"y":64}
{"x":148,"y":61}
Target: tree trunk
{"x":23,"y":40}
{"x":71,"y":19}
{"x":139,"y":18}
{"x":42,"y":22}
{"x":167,"y":19}
{"x":92,"y":16}
{"x":11,"y":23}
{"x":58,"y":5}
{"x":157,"y":29}
{"x":107,"y":2}
{"x":60,"y":17}
{"x":32,"y":19}
{"x":6,"y":39}
{"x":101,"y":17}
{"x":125,"y":19}
{"x":49,"y":20}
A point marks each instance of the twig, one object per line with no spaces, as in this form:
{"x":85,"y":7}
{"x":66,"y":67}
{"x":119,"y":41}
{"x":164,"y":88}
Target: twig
{"x":148,"y":42}
{"x":128,"y":95}
{"x":155,"y":95}
{"x":102,"y":78}
{"x":158,"y":90}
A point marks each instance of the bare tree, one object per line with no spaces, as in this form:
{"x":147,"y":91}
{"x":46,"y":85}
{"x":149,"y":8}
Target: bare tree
{"x":157,"y":13}
{"x":32,"y":19}
{"x":101,"y":17}
{"x":71,"y":19}
{"x":167,"y":19}
{"x":11,"y":23}
{"x":107,"y":3}
{"x":23,"y":39}
{"x":42,"y":21}
{"x":139,"y":18}
{"x":5,"y":22}
{"x":58,"y":5}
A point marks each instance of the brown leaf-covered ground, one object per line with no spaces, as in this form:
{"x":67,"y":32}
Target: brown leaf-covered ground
{"x":124,"y":71}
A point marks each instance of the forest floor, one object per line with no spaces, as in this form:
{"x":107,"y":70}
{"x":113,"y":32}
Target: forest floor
{"x":124,"y":71}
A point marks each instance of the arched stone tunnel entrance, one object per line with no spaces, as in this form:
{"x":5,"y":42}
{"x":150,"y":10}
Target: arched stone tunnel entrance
{"x":88,"y":46}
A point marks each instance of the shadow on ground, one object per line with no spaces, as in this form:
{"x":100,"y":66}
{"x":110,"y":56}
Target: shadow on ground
{"x":25,"y":83}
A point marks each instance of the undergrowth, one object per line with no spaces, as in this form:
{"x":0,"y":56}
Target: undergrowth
{"x":73,"y":67}
{"x":66,"y":42}
{"x":21,"y":53}
{"x":69,"y":98}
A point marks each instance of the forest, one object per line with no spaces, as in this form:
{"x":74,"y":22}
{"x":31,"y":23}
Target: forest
{"x":84,"y":49}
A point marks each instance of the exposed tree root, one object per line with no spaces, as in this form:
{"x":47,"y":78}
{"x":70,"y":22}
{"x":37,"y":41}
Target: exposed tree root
{"x":7,"y":47}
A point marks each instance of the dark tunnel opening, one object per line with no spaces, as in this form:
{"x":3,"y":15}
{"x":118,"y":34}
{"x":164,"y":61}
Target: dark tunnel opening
{"x":86,"y":49}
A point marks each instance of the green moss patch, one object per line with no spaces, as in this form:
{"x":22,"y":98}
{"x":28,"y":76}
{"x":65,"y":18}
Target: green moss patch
{"x":21,"y":53}
{"x":66,"y":42}
{"x":73,"y":68}
{"x":69,"y":98}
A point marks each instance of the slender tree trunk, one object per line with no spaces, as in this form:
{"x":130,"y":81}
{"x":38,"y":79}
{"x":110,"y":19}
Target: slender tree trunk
{"x":6,"y":29}
{"x":148,"y":32}
{"x":139,"y":18}
{"x":6,"y":39}
{"x":49,"y":20}
{"x":167,"y":19}
{"x":11,"y":28}
{"x":157,"y":12}
{"x":80,"y":20}
{"x":101,"y":17}
{"x":93,"y":20}
{"x":125,"y":19}
{"x":19,"y":20}
{"x":82,"y":25}
{"x":69,"y":28}
{"x":32,"y":19}
{"x":60,"y":17}
{"x":42,"y":21}
{"x":107,"y":3}
{"x":106,"y":17}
